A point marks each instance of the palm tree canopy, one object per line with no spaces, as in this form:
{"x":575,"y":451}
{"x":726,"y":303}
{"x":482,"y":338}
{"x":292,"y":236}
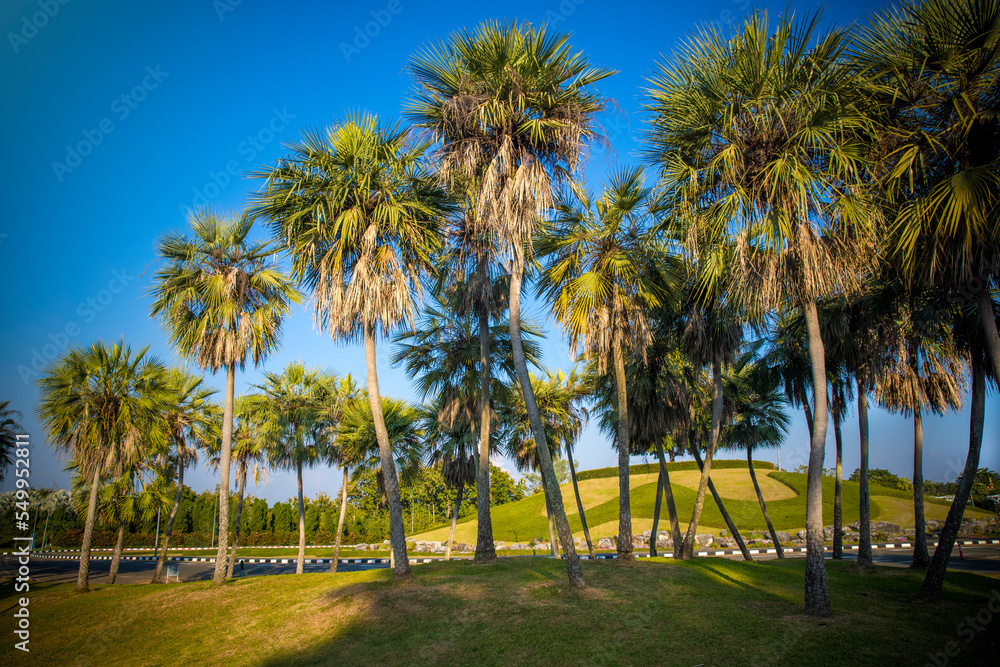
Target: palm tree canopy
{"x":9,"y":428}
{"x":357,"y":440}
{"x":934,"y":67}
{"x":507,"y":103}
{"x":219,"y":295}
{"x":602,"y":271}
{"x":103,"y":406}
{"x":760,"y":137}
{"x":360,"y":214}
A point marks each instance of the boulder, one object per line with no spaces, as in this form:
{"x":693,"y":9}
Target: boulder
{"x":891,"y":529}
{"x":723,"y":533}
{"x":933,"y":525}
{"x":852,"y":537}
{"x":801,"y":534}
{"x":704,"y":540}
{"x":783,"y":536}
{"x":664,"y":543}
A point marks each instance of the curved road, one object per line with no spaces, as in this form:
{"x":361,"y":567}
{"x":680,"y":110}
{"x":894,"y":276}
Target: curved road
{"x":981,"y":559}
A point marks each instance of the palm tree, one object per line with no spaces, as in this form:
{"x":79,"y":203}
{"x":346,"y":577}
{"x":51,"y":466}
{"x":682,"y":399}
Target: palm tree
{"x":445,"y":353}
{"x":756,"y":137}
{"x":925,"y":373}
{"x":971,"y":340}
{"x":9,"y":429}
{"x":250,"y":452}
{"x":599,"y":281}
{"x":512,"y":108}
{"x":758,"y":422}
{"x":360,"y":440}
{"x":102,"y":405}
{"x":191,"y":420}
{"x":451,"y":443}
{"x":339,"y":396}
{"x":359,"y":213}
{"x":934,"y":68}
{"x":221,"y":300}
{"x":288,"y":409}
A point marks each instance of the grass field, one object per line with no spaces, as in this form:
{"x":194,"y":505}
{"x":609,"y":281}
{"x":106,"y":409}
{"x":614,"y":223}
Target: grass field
{"x":784,"y":493}
{"x":517,"y":612}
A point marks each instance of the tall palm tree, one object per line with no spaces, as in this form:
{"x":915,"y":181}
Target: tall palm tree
{"x":101,"y":405}
{"x":191,"y":421}
{"x":221,"y":299}
{"x":288,"y":409}
{"x":512,"y":107}
{"x":924,"y":372}
{"x":599,"y":280}
{"x":9,"y":428}
{"x":934,"y":68}
{"x":971,"y":340}
{"x":359,"y":214}
{"x":757,"y":138}
{"x":445,"y":354}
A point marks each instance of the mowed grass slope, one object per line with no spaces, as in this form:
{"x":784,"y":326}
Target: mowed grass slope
{"x":784,"y":493}
{"x":517,"y":612}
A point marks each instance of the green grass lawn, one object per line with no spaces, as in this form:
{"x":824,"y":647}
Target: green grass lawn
{"x":517,"y":612}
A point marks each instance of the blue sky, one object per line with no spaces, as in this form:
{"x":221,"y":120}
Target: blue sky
{"x":119,"y":117}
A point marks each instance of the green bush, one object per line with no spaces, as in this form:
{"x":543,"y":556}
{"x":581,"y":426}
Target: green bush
{"x":649,"y":468}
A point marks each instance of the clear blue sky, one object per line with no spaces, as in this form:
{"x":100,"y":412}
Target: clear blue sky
{"x":120,"y":115}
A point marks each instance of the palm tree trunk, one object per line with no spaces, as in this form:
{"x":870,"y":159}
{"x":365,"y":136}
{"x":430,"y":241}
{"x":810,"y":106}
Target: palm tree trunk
{"x":763,"y":506}
{"x":551,"y":485}
{"x":553,"y":540}
{"x":301,"y":561}
{"x":340,"y":522}
{"x":485,"y":547}
{"x":624,"y":448}
{"x":725,"y":514}
{"x":239,"y":515}
{"x":934,"y":579}
{"x":397,"y":529}
{"x":656,"y":515}
{"x":920,"y":556}
{"x":706,"y":470}
{"x":170,"y":525}
{"x":117,"y":557}
{"x":579,"y":504}
{"x":817,"y":593}
{"x":804,"y":400}
{"x":865,"y":519}
{"x":990,"y":327}
{"x":83,"y":576}
{"x":454,"y":518}
{"x":675,"y":526}
{"x":838,"y":490}
{"x":224,"y":461}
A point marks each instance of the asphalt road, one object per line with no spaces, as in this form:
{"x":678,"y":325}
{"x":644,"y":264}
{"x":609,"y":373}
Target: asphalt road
{"x":982,"y":559}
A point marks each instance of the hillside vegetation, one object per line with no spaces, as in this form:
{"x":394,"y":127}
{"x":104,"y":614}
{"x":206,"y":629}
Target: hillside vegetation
{"x":784,"y":493}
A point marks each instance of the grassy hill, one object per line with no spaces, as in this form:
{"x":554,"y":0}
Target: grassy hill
{"x":784,"y":493}
{"x":517,"y":612}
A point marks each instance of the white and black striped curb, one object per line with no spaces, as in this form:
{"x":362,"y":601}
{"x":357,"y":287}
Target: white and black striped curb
{"x":269,"y":561}
{"x":826,"y":548}
{"x":384,"y":561}
{"x":308,"y":546}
